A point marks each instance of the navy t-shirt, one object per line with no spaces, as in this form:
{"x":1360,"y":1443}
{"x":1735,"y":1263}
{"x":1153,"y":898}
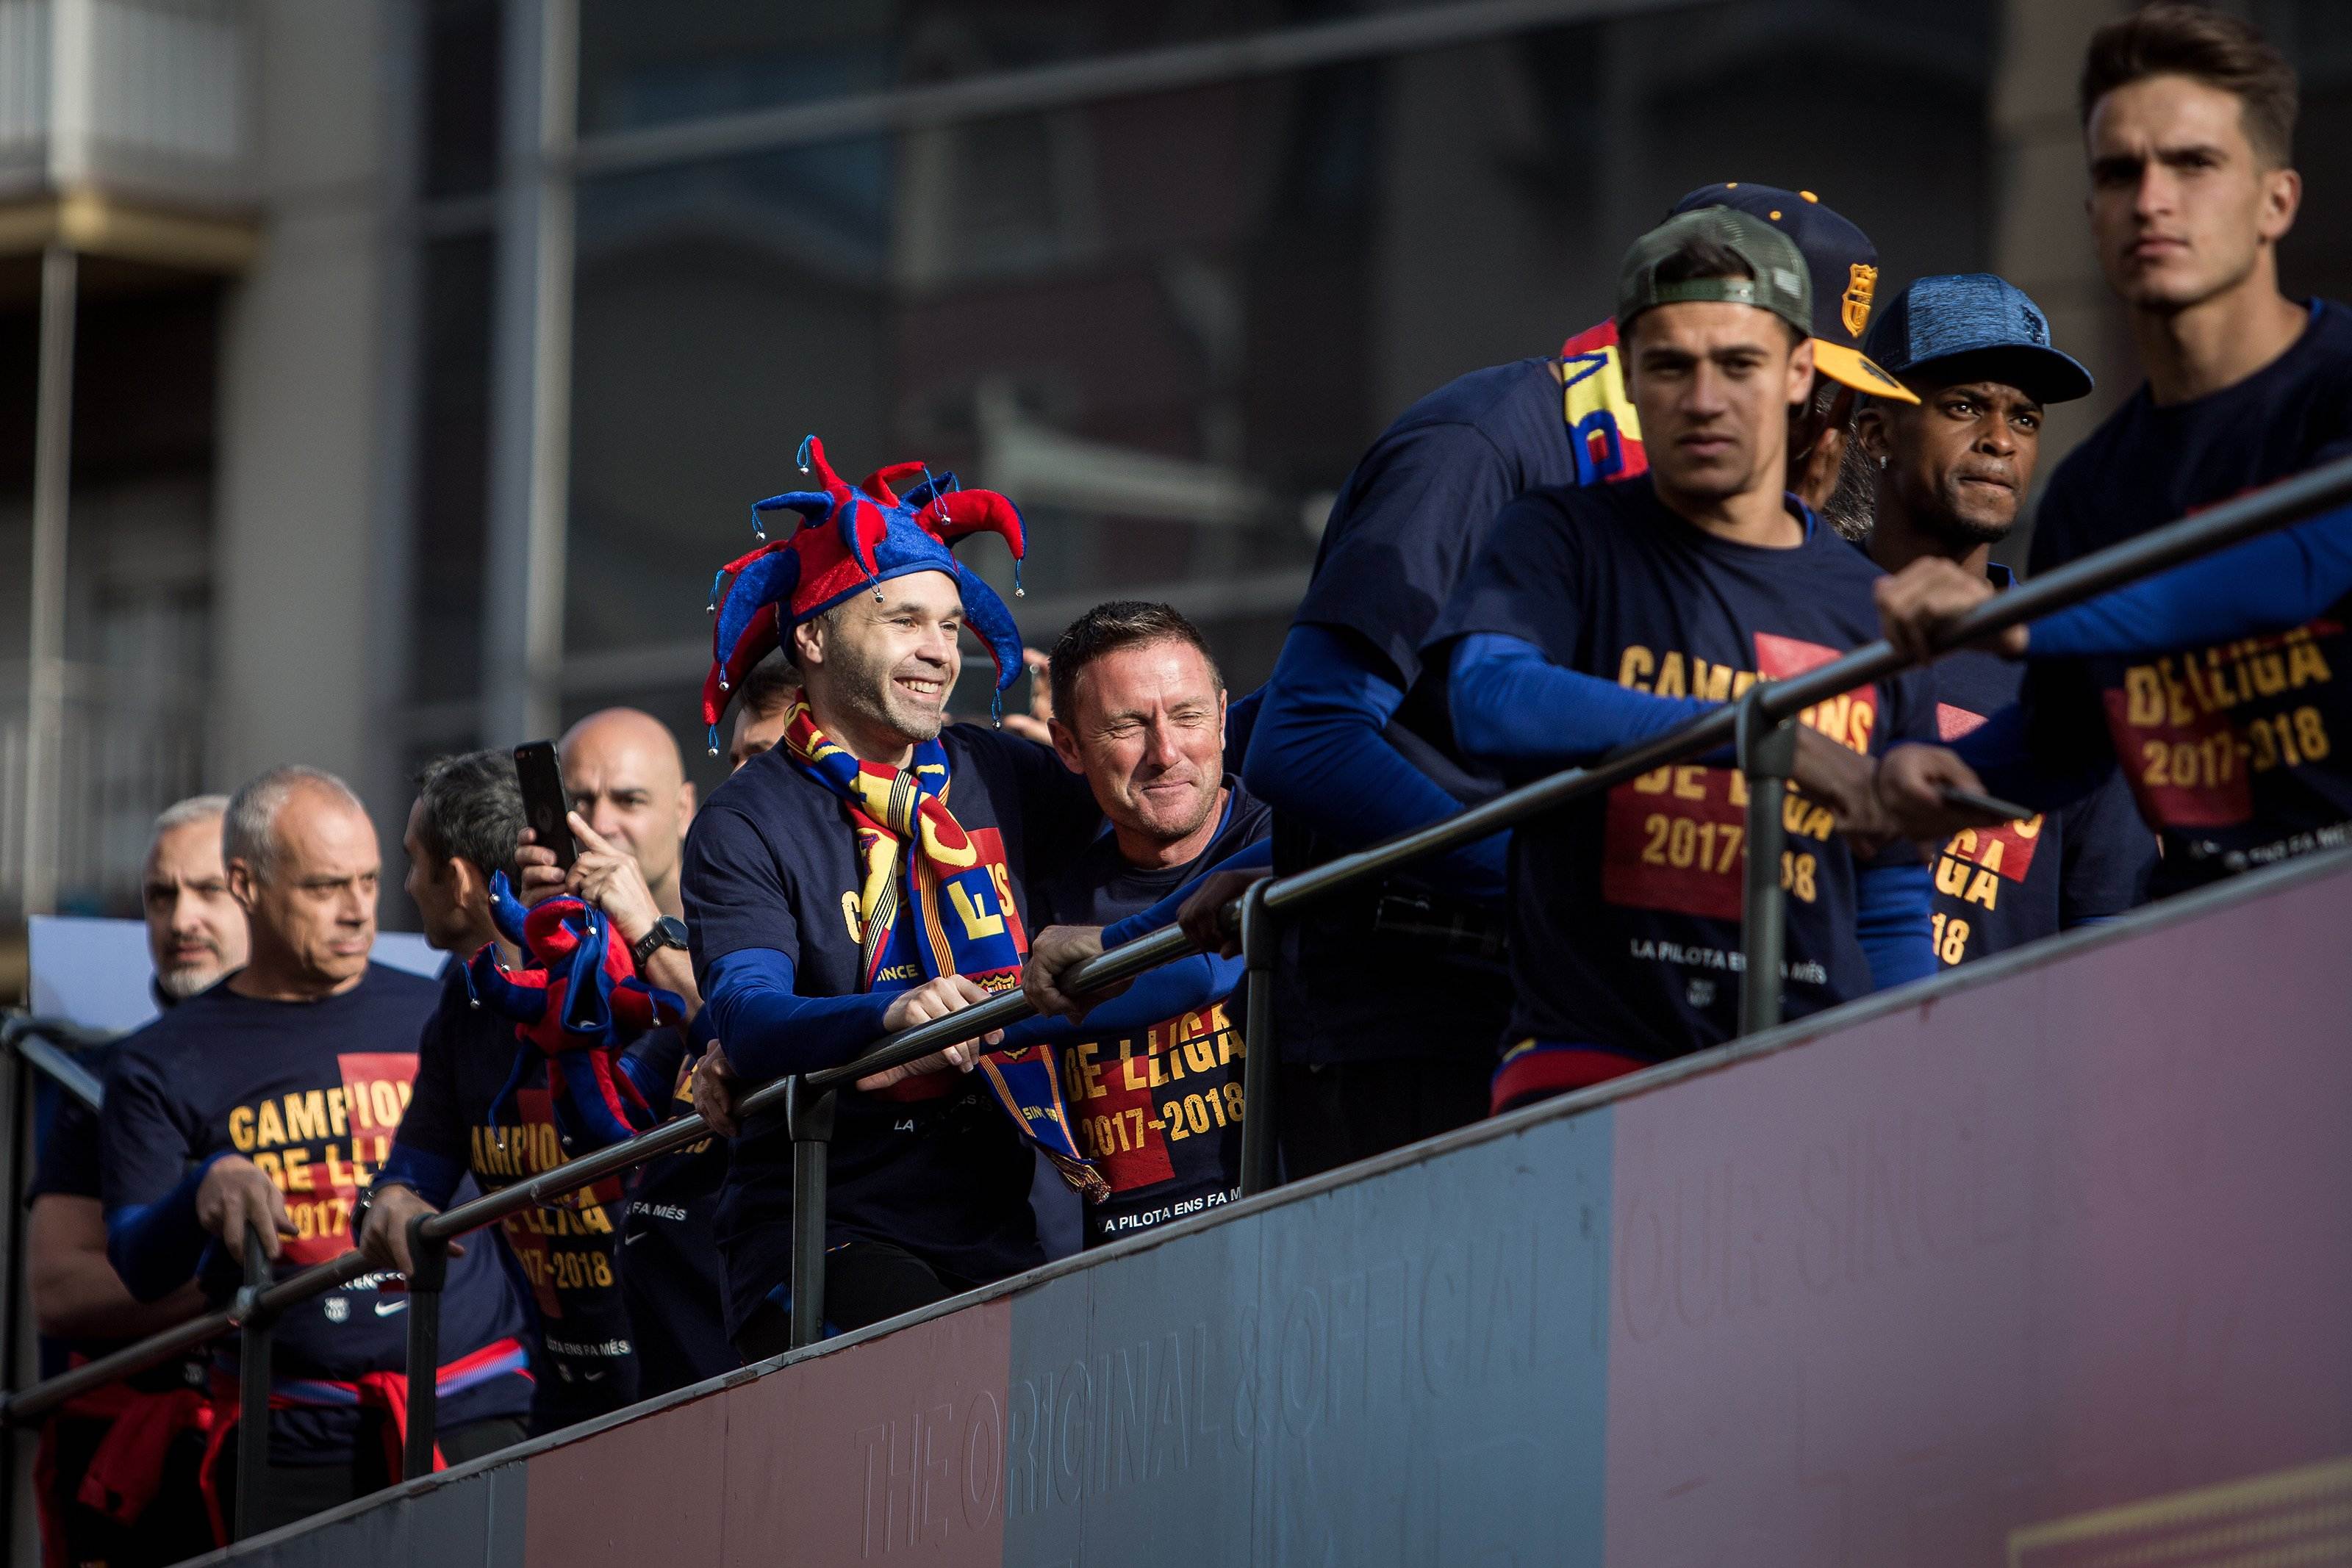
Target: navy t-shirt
{"x":2240,"y":754}
{"x":1159,"y":1113}
{"x":670,"y":1272}
{"x":564,"y":1258}
{"x":1999,"y":888}
{"x":1407,"y":523}
{"x":771,"y":862}
{"x":1625,"y":908}
{"x":65,"y":1164}
{"x":312,"y":1092}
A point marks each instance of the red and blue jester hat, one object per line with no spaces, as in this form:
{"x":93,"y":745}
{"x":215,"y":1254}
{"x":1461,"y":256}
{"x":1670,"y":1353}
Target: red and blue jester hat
{"x":576,"y":1001}
{"x":851,"y":536}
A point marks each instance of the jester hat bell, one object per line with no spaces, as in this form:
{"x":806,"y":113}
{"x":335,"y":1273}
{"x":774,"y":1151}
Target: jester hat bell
{"x":849,"y":537}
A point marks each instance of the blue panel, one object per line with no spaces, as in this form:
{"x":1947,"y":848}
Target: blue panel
{"x":1370,"y":1376}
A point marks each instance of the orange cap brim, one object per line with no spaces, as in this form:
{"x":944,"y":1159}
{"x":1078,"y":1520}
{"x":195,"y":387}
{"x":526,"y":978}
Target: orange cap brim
{"x":1852,"y":367}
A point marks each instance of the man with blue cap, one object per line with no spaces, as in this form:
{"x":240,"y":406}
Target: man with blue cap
{"x":1949,"y":473}
{"x":2214,"y":686}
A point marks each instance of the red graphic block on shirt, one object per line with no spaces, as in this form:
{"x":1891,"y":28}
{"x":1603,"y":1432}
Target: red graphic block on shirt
{"x":375,"y":1094}
{"x":1675,"y":840}
{"x":2185,"y":761}
{"x":2007,"y":848}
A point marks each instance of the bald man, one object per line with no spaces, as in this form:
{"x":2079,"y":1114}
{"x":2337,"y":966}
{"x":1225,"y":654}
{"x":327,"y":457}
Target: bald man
{"x":626,"y":779}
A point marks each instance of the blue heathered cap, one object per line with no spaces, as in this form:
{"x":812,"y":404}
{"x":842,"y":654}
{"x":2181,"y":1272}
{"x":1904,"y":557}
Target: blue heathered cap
{"x":1970,"y":325}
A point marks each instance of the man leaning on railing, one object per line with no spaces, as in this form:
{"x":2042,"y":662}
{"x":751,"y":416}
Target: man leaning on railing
{"x":480,"y":1110}
{"x":119,"y":1463}
{"x":1595,"y":619}
{"x":870,"y":872}
{"x":262,"y":1107}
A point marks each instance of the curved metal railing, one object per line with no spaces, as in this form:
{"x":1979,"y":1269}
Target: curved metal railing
{"x":1757,"y":727}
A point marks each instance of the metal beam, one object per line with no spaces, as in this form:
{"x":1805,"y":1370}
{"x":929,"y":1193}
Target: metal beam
{"x":1169,"y":69}
{"x":44,"y":696}
{"x":531,"y":414}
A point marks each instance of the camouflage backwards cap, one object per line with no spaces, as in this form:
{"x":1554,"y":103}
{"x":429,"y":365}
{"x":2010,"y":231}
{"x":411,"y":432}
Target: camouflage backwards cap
{"x":1778,"y":279}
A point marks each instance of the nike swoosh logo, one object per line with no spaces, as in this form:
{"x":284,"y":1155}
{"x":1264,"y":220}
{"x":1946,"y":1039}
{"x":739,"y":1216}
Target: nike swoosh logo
{"x":385,"y":1309}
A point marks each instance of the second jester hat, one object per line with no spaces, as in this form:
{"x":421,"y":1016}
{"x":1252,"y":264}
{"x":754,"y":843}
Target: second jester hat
{"x":852,"y":537}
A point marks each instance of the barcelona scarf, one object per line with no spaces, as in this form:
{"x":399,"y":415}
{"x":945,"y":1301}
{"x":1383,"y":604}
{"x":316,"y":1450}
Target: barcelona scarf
{"x":576,"y":1002}
{"x":932,"y":900}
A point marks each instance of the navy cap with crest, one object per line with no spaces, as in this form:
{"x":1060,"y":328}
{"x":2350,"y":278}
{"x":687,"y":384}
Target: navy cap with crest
{"x":1974,"y":325}
{"x":1845,"y":268}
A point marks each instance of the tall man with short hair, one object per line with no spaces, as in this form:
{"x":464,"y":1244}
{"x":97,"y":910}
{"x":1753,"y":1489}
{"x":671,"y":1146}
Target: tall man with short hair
{"x":1596,"y":617}
{"x":263,"y":1107}
{"x":1950,"y":471}
{"x":2218,"y":687}
{"x":632,"y":807}
{"x":870,"y":872}
{"x":126,"y":1512}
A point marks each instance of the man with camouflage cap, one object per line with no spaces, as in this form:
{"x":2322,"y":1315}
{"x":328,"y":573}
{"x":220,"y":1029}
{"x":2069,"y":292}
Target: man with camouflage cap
{"x":1597,"y":616}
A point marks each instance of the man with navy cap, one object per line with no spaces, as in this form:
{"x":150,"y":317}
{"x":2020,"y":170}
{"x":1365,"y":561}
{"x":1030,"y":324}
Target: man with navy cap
{"x":1598,"y":616}
{"x":1949,"y":474}
{"x":1388,"y":1003}
{"x":1843,"y":267}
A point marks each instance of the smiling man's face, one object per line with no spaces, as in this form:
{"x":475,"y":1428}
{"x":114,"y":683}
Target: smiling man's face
{"x":1147,"y":727}
{"x":1962,"y":459}
{"x":879,"y":672}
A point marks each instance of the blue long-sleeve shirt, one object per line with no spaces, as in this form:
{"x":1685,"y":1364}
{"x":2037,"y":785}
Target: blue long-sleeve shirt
{"x":1514,"y":706}
{"x":2047,"y":758}
{"x":1324,"y":754}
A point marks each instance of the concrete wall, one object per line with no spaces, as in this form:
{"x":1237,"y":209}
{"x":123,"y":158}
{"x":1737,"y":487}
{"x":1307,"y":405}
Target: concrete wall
{"x":300,"y":407}
{"x":2044,"y":1259}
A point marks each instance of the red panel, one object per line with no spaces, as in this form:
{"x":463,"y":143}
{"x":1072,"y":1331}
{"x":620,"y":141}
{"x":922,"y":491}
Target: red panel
{"x":894,"y":1447}
{"x":646,"y":1492}
{"x":2067,"y":1241}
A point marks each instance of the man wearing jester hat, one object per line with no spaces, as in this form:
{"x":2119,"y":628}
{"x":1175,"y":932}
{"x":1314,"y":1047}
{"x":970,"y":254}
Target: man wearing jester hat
{"x":868,"y":874}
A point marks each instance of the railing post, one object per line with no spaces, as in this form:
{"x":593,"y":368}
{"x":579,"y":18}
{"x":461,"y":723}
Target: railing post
{"x":252,"y":1390}
{"x":808,"y":1117}
{"x":428,"y":1260}
{"x":1261,"y":1053}
{"x":1767,"y":753}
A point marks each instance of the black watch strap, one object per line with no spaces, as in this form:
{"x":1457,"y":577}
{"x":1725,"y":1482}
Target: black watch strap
{"x":669,"y":931}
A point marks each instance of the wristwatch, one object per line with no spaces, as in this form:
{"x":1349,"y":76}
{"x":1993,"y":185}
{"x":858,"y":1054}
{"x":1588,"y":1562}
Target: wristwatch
{"x":669,"y":931}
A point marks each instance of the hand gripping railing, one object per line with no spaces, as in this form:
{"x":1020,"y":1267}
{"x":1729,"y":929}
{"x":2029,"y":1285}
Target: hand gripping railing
{"x":1756,"y":726}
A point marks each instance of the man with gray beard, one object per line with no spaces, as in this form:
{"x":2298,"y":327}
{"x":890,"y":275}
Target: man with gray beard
{"x":196,"y":934}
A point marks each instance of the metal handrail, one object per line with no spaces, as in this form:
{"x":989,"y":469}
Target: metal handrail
{"x":2279,"y":506}
{"x":33,"y":1040}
